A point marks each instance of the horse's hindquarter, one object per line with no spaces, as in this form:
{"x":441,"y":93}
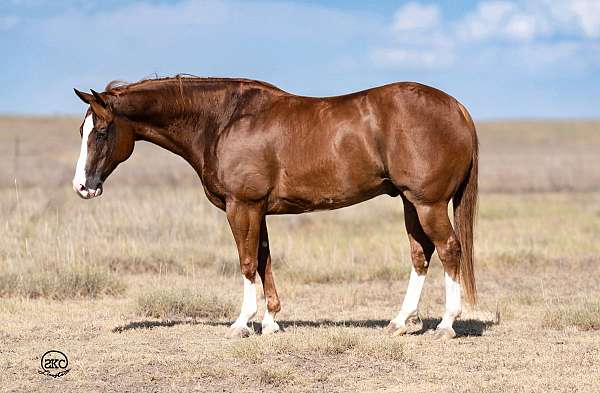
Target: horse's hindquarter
{"x":429,"y":143}
{"x":307,"y":154}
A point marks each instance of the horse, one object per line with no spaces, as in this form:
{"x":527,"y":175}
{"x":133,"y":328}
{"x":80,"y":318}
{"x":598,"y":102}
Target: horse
{"x":260,"y":151}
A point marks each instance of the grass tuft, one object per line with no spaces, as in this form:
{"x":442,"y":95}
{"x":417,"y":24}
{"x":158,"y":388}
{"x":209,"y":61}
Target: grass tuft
{"x":183,"y":304}
{"x":251,"y":350}
{"x":326,"y":342}
{"x":584,"y":316}
{"x":276,"y":375}
{"x":138,"y":265}
{"x":346,"y":272}
{"x":336,"y":341}
{"x":59,"y":284}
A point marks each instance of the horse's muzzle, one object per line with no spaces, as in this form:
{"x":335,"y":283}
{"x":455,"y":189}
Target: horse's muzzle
{"x":87,"y":193}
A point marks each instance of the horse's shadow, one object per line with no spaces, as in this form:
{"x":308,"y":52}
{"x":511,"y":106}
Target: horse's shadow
{"x":463,"y":328}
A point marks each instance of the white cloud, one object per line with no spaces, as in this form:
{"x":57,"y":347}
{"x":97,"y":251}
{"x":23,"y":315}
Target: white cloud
{"x":545,"y":54}
{"x":415,"y":16}
{"x":485,"y":20}
{"x":587,"y":13}
{"x":535,"y":33}
{"x":523,"y":27}
{"x":417,"y":39}
{"x":529,"y":19}
{"x":500,"y":20}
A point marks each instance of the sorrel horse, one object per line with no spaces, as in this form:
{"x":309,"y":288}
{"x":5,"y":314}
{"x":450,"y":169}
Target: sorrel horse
{"x":260,"y":150}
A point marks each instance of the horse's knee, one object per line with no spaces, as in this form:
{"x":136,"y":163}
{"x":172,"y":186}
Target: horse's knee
{"x":248,"y":267}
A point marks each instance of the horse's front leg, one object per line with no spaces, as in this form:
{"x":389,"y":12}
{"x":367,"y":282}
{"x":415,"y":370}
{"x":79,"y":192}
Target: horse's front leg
{"x":245,"y":222}
{"x":264,"y":270}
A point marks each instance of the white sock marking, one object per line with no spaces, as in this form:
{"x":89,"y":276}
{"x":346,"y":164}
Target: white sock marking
{"x":268,"y":322}
{"x":248,"y":304}
{"x":80,"y":175}
{"x":411,"y":299}
{"x":453,"y":307}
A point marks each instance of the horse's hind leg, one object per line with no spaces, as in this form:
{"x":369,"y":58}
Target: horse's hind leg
{"x":437,"y":226}
{"x":421,"y":249}
{"x":264,"y":270}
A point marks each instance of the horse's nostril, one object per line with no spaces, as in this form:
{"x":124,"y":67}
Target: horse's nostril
{"x":81,"y":187}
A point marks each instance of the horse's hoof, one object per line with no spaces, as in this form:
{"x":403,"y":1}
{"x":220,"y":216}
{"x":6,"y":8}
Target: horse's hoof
{"x":238,"y":332}
{"x":444,"y":334}
{"x":414,"y":324}
{"x":393,"y":330}
{"x":271,"y":328}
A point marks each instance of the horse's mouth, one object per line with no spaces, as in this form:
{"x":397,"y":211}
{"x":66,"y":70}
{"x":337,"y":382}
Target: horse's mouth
{"x":87,"y":193}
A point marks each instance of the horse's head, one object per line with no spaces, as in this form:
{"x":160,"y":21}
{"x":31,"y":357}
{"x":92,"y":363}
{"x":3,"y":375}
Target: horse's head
{"x":106,"y":140}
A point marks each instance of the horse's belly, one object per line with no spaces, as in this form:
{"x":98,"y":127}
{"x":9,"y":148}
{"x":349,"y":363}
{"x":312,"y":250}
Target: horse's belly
{"x":327,"y":195}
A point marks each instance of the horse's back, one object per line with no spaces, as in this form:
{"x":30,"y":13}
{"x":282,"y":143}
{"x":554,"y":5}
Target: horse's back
{"x":418,"y":137}
{"x":307,"y":153}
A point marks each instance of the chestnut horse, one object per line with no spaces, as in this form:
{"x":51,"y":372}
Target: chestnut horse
{"x":259,"y":150}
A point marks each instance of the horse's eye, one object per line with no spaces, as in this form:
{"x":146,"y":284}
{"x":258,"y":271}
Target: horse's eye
{"x":101,"y":135}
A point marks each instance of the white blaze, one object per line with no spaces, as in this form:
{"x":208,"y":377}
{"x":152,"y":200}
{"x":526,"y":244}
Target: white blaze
{"x":80,"y":175}
{"x":248,"y":304}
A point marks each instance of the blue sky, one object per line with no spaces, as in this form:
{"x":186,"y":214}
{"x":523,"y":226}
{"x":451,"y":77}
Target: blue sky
{"x":503,"y":59}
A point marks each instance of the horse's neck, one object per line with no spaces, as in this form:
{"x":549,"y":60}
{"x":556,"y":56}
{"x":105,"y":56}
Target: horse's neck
{"x":180,"y":130}
{"x":186,"y":122}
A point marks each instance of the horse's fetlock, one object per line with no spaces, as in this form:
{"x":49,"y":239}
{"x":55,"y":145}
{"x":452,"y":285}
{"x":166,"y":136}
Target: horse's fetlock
{"x":420,"y":263}
{"x":421,"y":269}
{"x":273,"y":305}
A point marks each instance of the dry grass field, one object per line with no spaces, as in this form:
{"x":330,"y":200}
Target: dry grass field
{"x":138,"y":286}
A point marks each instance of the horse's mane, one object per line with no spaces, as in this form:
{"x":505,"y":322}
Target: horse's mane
{"x":119,"y":86}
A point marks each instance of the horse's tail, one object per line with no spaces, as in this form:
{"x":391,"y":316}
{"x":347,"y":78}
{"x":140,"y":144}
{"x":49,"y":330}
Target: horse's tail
{"x":465,"y":210}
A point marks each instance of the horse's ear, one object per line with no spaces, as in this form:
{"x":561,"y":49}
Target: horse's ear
{"x":85,"y":97}
{"x":99,"y":98}
{"x":99,"y":105}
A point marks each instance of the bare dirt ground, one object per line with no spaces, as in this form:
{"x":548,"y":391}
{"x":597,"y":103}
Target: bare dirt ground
{"x":138,"y":287}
